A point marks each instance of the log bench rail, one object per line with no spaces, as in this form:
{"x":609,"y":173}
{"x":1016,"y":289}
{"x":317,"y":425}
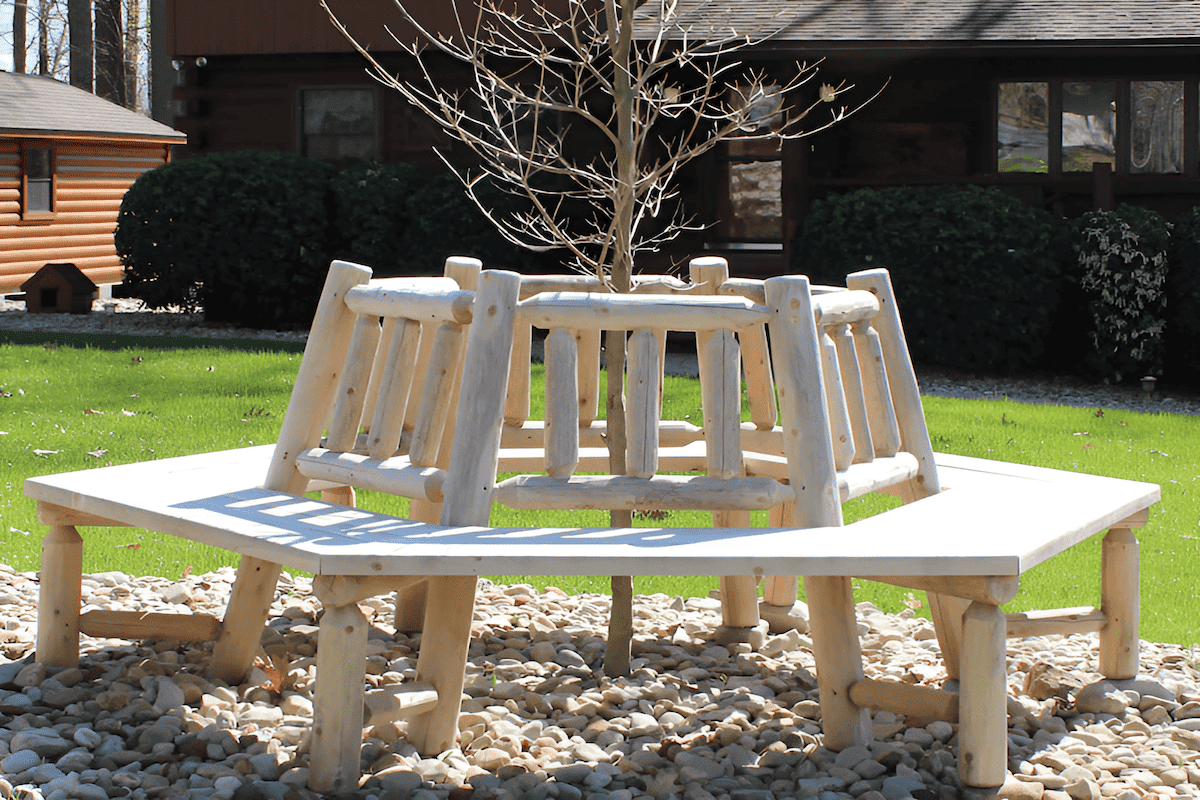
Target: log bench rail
{"x":370,"y":410}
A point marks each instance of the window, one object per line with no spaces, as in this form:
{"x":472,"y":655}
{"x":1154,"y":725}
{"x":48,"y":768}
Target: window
{"x":339,"y":124}
{"x":1023,"y":127}
{"x":1156,"y":141}
{"x":37,"y":181}
{"x":748,"y":185}
{"x":1061,"y":127}
{"x":1089,"y":125}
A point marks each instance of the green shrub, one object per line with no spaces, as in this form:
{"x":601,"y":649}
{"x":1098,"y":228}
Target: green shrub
{"x":245,"y":235}
{"x":976,"y":272}
{"x":1181,"y":359}
{"x":406,"y":219}
{"x":1122,"y":256}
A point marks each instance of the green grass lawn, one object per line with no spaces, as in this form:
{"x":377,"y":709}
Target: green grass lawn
{"x":64,"y":408}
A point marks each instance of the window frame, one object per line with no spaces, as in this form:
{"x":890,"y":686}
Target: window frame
{"x":1122,"y":139}
{"x":38,"y":215}
{"x":377,"y":97}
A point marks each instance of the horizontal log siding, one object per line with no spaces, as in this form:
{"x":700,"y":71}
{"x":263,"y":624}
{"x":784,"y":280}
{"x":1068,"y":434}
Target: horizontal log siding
{"x":91,"y":181}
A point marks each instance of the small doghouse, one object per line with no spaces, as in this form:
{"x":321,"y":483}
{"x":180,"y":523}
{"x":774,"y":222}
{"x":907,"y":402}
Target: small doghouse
{"x":59,"y":288}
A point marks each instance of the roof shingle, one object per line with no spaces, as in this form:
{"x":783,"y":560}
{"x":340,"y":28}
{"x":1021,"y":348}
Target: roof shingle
{"x":38,"y":104}
{"x":1032,"y":22}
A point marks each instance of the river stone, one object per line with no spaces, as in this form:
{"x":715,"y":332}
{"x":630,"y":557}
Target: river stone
{"x":1101,"y":697}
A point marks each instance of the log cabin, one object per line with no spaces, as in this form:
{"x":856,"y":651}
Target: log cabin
{"x":66,"y":159}
{"x":1067,"y":104}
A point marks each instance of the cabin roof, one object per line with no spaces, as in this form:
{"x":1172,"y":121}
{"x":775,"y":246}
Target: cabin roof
{"x":921,"y":23}
{"x":38,"y":105}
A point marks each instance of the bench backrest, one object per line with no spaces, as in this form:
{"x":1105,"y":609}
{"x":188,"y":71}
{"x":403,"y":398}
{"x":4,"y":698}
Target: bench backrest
{"x":373,"y":402}
{"x":390,"y":378}
{"x":852,"y":354}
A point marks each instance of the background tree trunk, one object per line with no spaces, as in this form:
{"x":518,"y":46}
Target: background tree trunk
{"x":20,"y":11}
{"x":110,"y":52}
{"x":43,"y":37}
{"x":79,"y":26}
{"x":133,"y":18}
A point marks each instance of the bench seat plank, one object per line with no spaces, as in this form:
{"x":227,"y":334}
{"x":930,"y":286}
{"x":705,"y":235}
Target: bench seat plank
{"x":1019,"y":516}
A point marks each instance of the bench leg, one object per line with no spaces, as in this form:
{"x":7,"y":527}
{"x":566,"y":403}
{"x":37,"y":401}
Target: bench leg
{"x":1119,"y":600}
{"x":442,"y":660}
{"x":982,"y":704}
{"x":338,"y":707}
{"x":739,"y":609}
{"x":947,"y":612}
{"x":245,"y":616}
{"x":59,"y":597}
{"x":834,"y":630}
{"x":779,"y":600}
{"x":739,"y":593}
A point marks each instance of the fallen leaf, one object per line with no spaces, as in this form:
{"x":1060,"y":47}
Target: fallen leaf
{"x":11,"y":529}
{"x":92,"y":411}
{"x":46,"y":452}
{"x":96,"y":453}
{"x":3,"y":433}
{"x":50,"y":346}
{"x":210,"y":369}
{"x":1089,"y":447}
{"x":135,"y":360}
{"x":134,"y":546}
{"x":1099,"y":412}
{"x":128,"y":413}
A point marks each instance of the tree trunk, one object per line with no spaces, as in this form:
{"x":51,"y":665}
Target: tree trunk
{"x":43,"y":37}
{"x":620,"y":624}
{"x":20,"y":12}
{"x":79,"y":27}
{"x":133,"y":18}
{"x":110,"y":52}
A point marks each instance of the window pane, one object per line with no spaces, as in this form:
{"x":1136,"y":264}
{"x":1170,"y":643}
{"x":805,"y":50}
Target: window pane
{"x":1089,"y":121}
{"x":755,"y":210}
{"x":37,"y":163}
{"x":37,"y":195}
{"x":1022,"y":129}
{"x":1156,"y":140}
{"x":339,"y":124}
{"x":339,"y":111}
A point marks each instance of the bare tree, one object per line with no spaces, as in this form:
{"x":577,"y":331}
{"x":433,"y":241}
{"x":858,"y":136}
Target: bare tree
{"x":53,"y":43}
{"x":653,"y":102}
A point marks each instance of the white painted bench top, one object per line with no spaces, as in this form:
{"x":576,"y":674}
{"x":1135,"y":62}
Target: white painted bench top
{"x":992,"y":518}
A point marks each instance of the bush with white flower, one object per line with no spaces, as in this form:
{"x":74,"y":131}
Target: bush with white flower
{"x":1122,"y":258}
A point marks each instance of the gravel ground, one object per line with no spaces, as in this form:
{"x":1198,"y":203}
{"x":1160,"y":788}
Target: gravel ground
{"x":694,"y":721}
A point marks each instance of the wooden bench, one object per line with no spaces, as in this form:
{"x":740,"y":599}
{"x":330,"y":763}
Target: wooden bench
{"x":379,"y":393}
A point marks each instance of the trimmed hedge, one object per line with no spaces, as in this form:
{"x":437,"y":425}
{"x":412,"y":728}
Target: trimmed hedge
{"x":406,"y":219}
{"x":245,"y":235}
{"x":977,"y":272}
{"x":249,"y":236}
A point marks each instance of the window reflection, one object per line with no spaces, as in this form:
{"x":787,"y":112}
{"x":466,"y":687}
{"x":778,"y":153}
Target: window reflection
{"x":1022,"y":127}
{"x":339,"y":124}
{"x":1089,"y":122}
{"x":1156,"y":140}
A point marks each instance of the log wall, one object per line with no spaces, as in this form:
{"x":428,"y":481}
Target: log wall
{"x":91,"y":179}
